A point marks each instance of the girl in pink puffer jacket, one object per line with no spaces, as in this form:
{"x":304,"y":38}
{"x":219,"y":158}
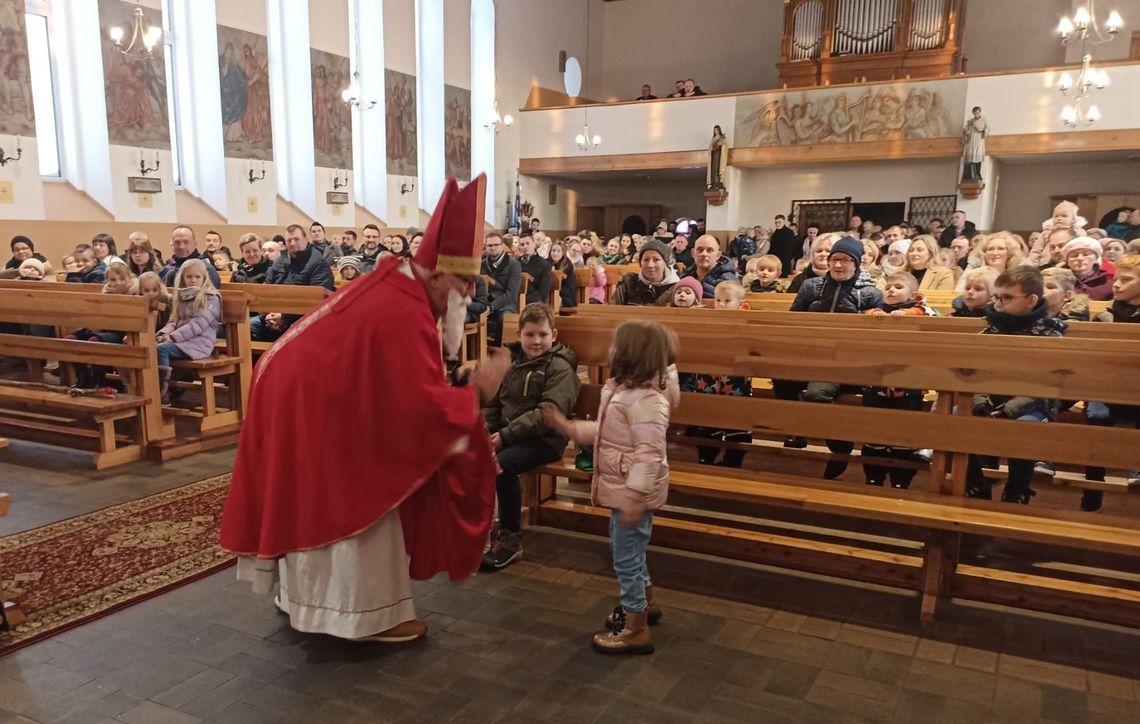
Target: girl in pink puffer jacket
{"x":631,"y":473}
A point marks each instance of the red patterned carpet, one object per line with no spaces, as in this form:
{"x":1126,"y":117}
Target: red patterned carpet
{"x":78,"y":569}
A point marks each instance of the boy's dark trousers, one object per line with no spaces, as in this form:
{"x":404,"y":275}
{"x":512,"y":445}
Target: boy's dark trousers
{"x":707,"y":455}
{"x":1020,"y":472}
{"x":876,"y":474}
{"x":824,"y":392}
{"x":514,"y":460}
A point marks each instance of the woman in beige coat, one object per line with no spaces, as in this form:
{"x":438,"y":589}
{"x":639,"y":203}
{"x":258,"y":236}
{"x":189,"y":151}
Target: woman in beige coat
{"x":922,"y":262}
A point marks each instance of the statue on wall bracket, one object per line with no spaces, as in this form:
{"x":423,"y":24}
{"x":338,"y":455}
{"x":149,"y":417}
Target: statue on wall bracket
{"x":974,"y":145}
{"x":715,"y":190}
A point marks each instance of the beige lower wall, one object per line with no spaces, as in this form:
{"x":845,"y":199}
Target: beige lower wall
{"x":73,"y":218}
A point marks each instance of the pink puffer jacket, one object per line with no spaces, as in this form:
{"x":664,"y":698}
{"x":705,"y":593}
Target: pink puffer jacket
{"x":631,"y":471}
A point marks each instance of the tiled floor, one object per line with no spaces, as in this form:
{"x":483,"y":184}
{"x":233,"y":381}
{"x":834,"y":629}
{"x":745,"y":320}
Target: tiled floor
{"x":738,"y":643}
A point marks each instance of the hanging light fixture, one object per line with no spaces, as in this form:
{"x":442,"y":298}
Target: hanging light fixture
{"x":351,"y":94}
{"x":585,"y":139}
{"x":1083,"y":25}
{"x":142,"y":38}
{"x":498,"y":122}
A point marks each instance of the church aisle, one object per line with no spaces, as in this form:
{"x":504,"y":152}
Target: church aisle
{"x":738,"y":643}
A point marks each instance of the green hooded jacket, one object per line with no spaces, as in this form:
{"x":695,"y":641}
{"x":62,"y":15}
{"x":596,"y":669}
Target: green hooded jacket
{"x":515,"y":412}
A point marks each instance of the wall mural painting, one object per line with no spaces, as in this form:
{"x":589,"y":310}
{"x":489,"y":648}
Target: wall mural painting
{"x":400,"y":112}
{"x":17,"y":116}
{"x":136,"y":86}
{"x":457,"y":132}
{"x":886,"y":112}
{"x":243,"y":65}
{"x":332,"y":119}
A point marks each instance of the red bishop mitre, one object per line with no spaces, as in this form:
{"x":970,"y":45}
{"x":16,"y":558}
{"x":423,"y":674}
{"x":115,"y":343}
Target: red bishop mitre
{"x":453,"y":240}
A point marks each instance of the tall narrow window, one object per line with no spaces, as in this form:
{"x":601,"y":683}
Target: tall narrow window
{"x":42,"y":75}
{"x":168,"y":38}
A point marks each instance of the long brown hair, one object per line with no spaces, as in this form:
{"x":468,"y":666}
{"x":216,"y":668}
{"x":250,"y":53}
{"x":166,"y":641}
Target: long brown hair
{"x":642,"y":353}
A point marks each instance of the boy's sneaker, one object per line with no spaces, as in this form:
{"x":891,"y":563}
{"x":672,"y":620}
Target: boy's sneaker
{"x":925,"y":455}
{"x":1091,"y":500}
{"x":834,"y":469}
{"x":1021,"y":497}
{"x":506,"y":549}
{"x":1044,"y":468}
{"x":979,"y":489}
{"x":795,"y":441}
{"x":1134,"y":477}
{"x":584,"y":462}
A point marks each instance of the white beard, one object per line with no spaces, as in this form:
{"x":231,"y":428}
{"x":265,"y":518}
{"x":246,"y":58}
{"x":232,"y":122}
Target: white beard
{"x":453,"y":322}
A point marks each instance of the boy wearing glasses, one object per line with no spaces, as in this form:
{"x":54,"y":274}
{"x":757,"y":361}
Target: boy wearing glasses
{"x":1018,"y":307}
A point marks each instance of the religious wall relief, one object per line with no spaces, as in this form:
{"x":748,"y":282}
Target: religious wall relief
{"x":457,"y":132}
{"x":885,"y":112}
{"x":17,"y":116}
{"x":400,"y":119}
{"x":137,"y":113}
{"x":243,"y":66}
{"x":332,"y":117}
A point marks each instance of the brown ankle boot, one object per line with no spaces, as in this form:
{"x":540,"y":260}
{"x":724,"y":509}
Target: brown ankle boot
{"x":629,"y":634}
{"x":653,"y":614}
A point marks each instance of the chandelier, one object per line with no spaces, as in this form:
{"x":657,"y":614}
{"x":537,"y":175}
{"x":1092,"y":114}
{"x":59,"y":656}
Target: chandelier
{"x":497,"y":121}
{"x":1090,"y":79}
{"x":142,"y":39}
{"x":351,"y":95}
{"x":584,"y":140}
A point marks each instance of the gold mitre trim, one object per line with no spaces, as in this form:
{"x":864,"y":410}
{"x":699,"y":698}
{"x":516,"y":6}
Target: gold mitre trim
{"x":462,"y":265}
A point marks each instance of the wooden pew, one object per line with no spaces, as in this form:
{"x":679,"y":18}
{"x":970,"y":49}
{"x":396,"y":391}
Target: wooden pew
{"x":281,"y":298}
{"x":52,"y":414}
{"x":232,"y":363}
{"x":615,"y":273}
{"x":585,"y":277}
{"x":939,"y":300}
{"x":555,"y":298}
{"x":12,"y":615}
{"x":933,"y":521}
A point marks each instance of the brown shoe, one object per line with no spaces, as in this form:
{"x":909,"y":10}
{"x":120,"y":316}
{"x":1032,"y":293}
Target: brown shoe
{"x":628,"y":635}
{"x":653,"y":614}
{"x":398,"y":634}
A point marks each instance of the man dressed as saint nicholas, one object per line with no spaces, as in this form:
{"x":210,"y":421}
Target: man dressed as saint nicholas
{"x":360,"y":467}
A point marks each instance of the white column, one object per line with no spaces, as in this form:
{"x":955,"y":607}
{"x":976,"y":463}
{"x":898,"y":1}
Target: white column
{"x":85,"y":152}
{"x":291,"y":97}
{"x":483,"y":97}
{"x":369,"y":127}
{"x":199,"y":109}
{"x":981,"y":210}
{"x":429,"y":109}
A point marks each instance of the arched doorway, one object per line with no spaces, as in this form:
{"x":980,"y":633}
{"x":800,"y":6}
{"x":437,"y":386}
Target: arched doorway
{"x":633,"y":225}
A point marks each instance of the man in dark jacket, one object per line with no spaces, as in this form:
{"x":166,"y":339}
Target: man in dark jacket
{"x":843,"y":290}
{"x":958,"y":227}
{"x":503,"y":291}
{"x":542,"y":371}
{"x":710,"y":267}
{"x":183,"y":246}
{"x":537,"y":269}
{"x":347,"y":245}
{"x":372,"y":251}
{"x":303,"y":265}
{"x":479,"y":301}
{"x":785,"y":245}
{"x":253,"y":265}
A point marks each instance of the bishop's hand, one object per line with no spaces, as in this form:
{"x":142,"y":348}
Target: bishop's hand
{"x":489,"y":374}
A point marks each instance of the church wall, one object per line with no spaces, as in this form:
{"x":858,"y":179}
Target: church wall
{"x":1013,"y":34}
{"x":400,"y":57}
{"x":528,"y":36}
{"x":763,"y":193}
{"x":676,"y":197}
{"x":249,"y":203}
{"x":1023,"y":200}
{"x":726,"y":46}
{"x":330,"y":48}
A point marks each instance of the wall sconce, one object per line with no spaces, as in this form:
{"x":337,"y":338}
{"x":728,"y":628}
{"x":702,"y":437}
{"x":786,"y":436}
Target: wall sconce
{"x":5,"y":160}
{"x":143,"y":168}
{"x":407,"y":188}
{"x":253,"y":178}
{"x":338,"y":182}
{"x":351,"y":95}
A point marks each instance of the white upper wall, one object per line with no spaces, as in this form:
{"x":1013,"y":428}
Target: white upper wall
{"x":400,"y":35}
{"x":328,"y":26}
{"x":242,"y":14}
{"x":457,"y":48}
{"x":726,"y":46}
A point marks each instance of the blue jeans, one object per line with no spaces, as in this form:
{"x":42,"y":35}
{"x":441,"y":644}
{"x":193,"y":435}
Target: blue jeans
{"x":628,"y":545}
{"x":168,"y":351}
